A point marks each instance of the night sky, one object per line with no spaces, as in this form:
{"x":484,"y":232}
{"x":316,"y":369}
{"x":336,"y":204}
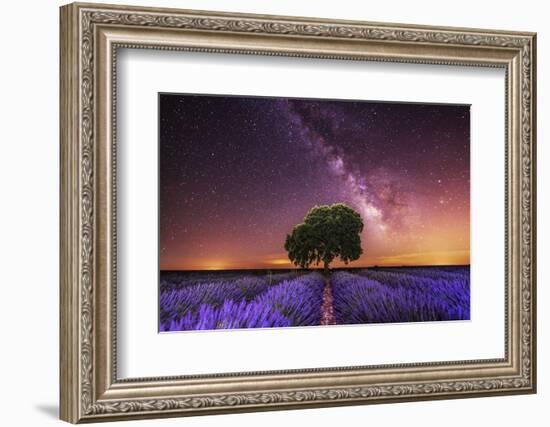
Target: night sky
{"x":237,"y":173}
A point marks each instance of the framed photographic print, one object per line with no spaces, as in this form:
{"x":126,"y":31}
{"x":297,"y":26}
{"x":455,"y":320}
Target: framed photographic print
{"x":263,"y":212}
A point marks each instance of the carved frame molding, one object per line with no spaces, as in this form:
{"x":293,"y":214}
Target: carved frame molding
{"x":90,"y":36}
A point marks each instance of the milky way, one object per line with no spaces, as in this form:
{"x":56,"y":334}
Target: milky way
{"x":237,"y":173}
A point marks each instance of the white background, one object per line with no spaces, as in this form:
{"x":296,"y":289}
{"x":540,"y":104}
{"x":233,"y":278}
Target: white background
{"x":141,"y":347}
{"x":29,"y":171}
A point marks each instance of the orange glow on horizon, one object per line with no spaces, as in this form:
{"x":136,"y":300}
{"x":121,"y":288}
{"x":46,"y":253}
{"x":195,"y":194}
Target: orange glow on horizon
{"x":280,"y":261}
{"x":451,"y":257}
{"x":457,"y":257}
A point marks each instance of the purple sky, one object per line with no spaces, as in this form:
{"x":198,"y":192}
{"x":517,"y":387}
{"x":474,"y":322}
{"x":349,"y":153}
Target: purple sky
{"x":237,"y":173}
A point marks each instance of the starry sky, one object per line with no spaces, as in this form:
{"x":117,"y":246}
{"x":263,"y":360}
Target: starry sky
{"x":237,"y":173}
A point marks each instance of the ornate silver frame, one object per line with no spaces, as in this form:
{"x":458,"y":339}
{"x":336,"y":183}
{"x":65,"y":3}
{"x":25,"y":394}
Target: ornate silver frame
{"x":90,"y":36}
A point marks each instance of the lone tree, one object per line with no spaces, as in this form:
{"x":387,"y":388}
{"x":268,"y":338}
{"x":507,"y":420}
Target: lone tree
{"x":326,"y":233}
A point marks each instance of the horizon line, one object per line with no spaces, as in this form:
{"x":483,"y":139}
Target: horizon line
{"x":321,"y":268}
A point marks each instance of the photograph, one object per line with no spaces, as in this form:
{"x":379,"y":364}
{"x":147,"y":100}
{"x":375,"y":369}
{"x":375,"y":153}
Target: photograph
{"x":291,"y":212}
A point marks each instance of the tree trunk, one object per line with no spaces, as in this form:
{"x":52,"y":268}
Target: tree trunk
{"x":326,"y":268}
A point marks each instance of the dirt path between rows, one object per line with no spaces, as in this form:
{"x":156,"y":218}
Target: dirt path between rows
{"x":327,"y":308}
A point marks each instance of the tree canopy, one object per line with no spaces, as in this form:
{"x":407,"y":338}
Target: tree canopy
{"x":328,"y":232}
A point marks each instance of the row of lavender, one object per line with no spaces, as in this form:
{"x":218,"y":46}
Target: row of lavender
{"x":248,"y":302}
{"x":401,"y":295}
{"x":177,"y":279}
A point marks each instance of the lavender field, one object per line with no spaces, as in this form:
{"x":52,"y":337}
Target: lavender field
{"x":262,"y":299}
